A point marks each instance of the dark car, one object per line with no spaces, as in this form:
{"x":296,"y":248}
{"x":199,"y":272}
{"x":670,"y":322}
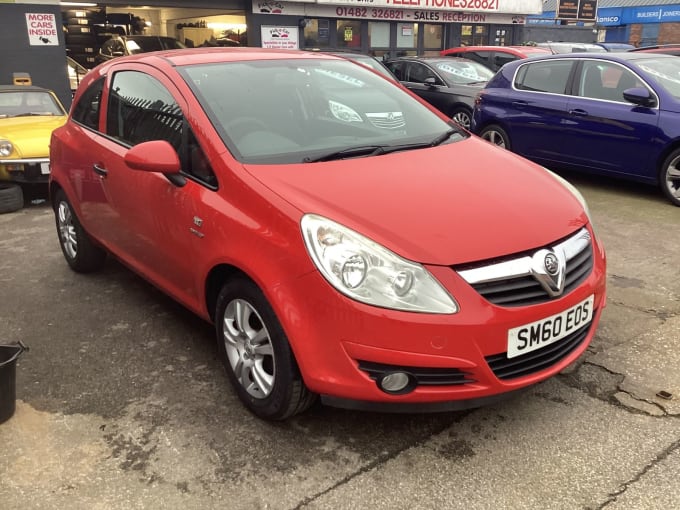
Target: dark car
{"x":495,"y":57}
{"x":450,"y":84}
{"x":613,"y":114}
{"x":368,"y":61}
{"x":666,"y":49}
{"x":120,"y":45}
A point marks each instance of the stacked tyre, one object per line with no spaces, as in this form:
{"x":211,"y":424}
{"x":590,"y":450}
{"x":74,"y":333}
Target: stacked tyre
{"x":81,"y":37}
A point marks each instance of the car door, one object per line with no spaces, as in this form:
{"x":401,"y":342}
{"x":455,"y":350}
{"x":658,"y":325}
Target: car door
{"x":605,"y":133}
{"x":535,"y":108}
{"x":158,"y":222}
{"x":436,"y":93}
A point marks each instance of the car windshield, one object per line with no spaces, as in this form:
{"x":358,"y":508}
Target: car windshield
{"x":27,"y":103}
{"x":464,"y":72}
{"x":295,"y":110}
{"x":665,"y":71}
{"x":148,"y":44}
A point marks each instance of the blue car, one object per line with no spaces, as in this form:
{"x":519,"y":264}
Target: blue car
{"x":615,"y":114}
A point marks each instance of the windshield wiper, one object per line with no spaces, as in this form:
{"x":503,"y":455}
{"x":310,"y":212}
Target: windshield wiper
{"x":33,"y":114}
{"x":443,"y":137}
{"x":352,"y":152}
{"x":377,"y":150}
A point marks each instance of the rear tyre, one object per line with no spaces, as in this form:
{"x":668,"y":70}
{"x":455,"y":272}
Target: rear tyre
{"x":256,"y":353}
{"x":81,"y":254}
{"x":11,"y":197}
{"x":496,"y":135}
{"x":669,"y":177}
{"x":462,"y":116}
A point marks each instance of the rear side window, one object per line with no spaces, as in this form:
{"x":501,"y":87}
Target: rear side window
{"x":483,"y":57}
{"x":141,"y":109}
{"x":86,"y":111}
{"x":547,"y":76}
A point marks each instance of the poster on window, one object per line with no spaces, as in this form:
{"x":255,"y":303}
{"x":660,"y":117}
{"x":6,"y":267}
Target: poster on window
{"x":42,"y":29}
{"x":280,"y":38}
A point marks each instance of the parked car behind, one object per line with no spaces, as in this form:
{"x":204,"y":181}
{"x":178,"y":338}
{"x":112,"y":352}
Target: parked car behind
{"x":121,"y":45}
{"x":392,"y":266}
{"x":571,"y":47}
{"x":28,"y":114}
{"x":666,"y":49}
{"x":450,"y":84}
{"x":494,"y":57}
{"x":368,"y":61}
{"x":615,"y":46}
{"x":76,"y":72}
{"x":614,"y":114}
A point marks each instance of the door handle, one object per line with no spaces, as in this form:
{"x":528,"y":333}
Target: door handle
{"x":100,"y":170}
{"x":519,"y":103}
{"x":578,"y":112}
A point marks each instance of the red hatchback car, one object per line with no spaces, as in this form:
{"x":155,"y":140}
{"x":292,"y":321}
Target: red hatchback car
{"x":345,"y":238}
{"x":495,"y":57}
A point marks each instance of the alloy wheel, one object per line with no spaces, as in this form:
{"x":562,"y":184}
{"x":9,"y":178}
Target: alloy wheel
{"x":67,"y":230}
{"x":495,"y":138}
{"x":673,"y":179}
{"x":249,"y":349}
{"x":462,"y":118}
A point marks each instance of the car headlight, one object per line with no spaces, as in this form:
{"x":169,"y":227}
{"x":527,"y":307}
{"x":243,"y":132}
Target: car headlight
{"x":343,"y":112}
{"x":6,"y":148}
{"x":368,"y":272}
{"x":574,"y":191}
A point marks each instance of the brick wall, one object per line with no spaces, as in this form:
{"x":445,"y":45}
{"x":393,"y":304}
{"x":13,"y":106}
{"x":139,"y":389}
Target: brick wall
{"x":669,"y":33}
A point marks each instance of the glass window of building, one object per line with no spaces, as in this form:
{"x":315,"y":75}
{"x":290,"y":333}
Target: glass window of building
{"x":317,"y":33}
{"x":349,"y":34}
{"x":378,"y":38}
{"x":407,"y":39}
{"x":473,"y":35}
{"x":432,"y":39}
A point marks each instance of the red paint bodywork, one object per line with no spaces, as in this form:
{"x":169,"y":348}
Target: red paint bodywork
{"x":452,"y":204}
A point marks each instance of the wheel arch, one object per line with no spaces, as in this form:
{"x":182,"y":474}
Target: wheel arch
{"x":667,"y":150}
{"x":216,"y":278}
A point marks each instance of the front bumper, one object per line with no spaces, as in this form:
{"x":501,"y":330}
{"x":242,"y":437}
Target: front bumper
{"x":335,"y":339}
{"x":26,"y":170}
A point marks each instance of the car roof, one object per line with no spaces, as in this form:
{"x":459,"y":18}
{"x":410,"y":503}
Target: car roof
{"x":22,"y":88}
{"x":615,"y":56}
{"x":515,"y":50}
{"x":431,"y":60}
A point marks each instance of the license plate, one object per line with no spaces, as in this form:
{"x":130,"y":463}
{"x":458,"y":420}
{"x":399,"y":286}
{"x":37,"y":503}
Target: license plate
{"x":537,"y":335}
{"x":44,"y":168}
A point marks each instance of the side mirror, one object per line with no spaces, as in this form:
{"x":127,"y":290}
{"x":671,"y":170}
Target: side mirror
{"x":156,"y":156}
{"x":640,"y":96}
{"x":430,"y":82}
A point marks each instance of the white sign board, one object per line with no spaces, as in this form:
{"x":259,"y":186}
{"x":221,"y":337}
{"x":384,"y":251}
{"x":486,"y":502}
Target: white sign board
{"x":42,"y":29}
{"x":280,"y":38}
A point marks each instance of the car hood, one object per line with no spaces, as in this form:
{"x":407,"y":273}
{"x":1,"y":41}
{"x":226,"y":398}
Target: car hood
{"x":30,"y":136}
{"x":456,"y":203}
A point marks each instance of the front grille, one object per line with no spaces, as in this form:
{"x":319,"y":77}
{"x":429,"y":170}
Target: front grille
{"x":387,"y":120}
{"x":512,"y":282}
{"x":424,"y":376}
{"x":511,"y":368}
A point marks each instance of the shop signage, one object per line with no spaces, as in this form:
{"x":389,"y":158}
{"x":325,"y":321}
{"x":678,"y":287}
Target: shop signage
{"x":504,"y":6}
{"x":577,"y":9}
{"x":42,"y":29}
{"x":384,"y":14}
{"x":280,"y":38}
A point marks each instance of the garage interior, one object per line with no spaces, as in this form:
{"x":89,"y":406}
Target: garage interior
{"x":87,"y":26}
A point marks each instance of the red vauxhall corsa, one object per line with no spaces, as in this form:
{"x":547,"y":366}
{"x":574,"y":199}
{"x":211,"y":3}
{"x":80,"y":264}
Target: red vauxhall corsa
{"x":346,"y":239}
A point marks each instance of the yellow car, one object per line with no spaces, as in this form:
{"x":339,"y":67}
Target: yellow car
{"x":28,"y":115}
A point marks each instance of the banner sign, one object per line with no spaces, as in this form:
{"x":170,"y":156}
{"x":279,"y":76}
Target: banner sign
{"x":280,"y":38}
{"x":577,"y":9}
{"x":384,"y":14}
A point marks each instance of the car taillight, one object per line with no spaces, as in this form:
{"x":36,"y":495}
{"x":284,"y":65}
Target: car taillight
{"x":478,"y":98}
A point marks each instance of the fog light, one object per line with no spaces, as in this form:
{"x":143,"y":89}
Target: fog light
{"x":395,"y":382}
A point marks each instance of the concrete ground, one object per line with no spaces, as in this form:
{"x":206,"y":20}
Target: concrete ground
{"x":123,"y":404}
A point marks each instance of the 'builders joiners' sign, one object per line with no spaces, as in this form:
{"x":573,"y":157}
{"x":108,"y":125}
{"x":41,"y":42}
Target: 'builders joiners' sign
{"x":577,"y":9}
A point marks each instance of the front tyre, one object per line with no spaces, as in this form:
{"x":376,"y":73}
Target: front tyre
{"x":256,"y":353}
{"x":669,"y":177}
{"x":81,"y":254}
{"x":496,"y":135}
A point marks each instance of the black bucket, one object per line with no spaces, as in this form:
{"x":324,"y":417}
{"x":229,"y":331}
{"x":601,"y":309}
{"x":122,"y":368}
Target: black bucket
{"x":8,"y":371}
